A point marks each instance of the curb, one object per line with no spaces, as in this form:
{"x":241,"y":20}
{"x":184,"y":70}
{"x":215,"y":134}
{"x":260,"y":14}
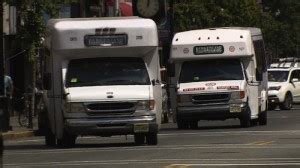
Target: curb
{"x":17,"y":135}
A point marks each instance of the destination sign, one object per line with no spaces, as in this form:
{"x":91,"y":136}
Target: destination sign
{"x":106,"y":40}
{"x":209,"y":49}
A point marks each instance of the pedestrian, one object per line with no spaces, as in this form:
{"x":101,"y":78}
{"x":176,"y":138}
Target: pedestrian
{"x":8,"y":91}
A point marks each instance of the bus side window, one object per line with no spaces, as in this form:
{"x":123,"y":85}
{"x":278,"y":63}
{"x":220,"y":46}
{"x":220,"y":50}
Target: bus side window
{"x":260,"y":59}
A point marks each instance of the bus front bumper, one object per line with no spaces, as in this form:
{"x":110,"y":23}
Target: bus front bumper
{"x":112,"y":126}
{"x":211,"y":112}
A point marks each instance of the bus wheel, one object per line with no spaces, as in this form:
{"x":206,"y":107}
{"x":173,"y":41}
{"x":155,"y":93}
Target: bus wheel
{"x":181,"y":124}
{"x":151,"y":139}
{"x":139,"y":139}
{"x":287,"y":103}
{"x":245,"y":119}
{"x":67,"y":141}
{"x":271,"y":106}
{"x":194,"y":124}
{"x":262,"y":118}
{"x":50,"y":139}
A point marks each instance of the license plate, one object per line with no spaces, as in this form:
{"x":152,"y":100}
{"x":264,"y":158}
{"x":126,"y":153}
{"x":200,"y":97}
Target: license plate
{"x":235,"y":109}
{"x":139,"y":128}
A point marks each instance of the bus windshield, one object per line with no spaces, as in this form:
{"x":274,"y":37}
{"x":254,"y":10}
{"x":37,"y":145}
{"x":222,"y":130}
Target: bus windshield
{"x":107,"y":71}
{"x":211,"y":70}
{"x":278,"y":76}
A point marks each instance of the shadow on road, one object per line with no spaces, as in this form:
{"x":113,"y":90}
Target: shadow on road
{"x":14,"y":147}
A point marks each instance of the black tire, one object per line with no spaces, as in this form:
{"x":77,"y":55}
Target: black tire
{"x":67,"y":141}
{"x":181,"y":124}
{"x":272,"y":106}
{"x":50,"y":139}
{"x":262,"y":118}
{"x":193,"y":124}
{"x":245,"y":119}
{"x":287,"y":103}
{"x":254,"y":122}
{"x":165,"y":117}
{"x":139,"y":139}
{"x":151,"y":139}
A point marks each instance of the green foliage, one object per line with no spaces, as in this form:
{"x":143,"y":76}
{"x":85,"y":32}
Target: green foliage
{"x":31,"y":30}
{"x":277,"y":19}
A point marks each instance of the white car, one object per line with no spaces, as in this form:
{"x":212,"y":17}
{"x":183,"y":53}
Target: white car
{"x":284,"y":87}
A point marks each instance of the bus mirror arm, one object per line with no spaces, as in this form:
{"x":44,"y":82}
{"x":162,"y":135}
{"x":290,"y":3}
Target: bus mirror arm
{"x":154,"y":82}
{"x":64,"y":95}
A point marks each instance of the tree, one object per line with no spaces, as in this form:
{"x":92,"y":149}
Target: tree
{"x":31,"y":30}
{"x":279,"y":33}
{"x":286,"y":13}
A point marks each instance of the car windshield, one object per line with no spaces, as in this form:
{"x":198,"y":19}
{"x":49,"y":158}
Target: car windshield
{"x":278,"y":76}
{"x":211,"y":70}
{"x":107,"y":71}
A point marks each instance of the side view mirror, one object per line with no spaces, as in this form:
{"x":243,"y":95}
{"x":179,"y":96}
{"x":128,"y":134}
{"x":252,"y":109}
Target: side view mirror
{"x":295,"y":80}
{"x":47,"y":81}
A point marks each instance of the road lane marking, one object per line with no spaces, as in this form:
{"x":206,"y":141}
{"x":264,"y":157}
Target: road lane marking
{"x":177,"y":166}
{"x":261,"y":143}
{"x":148,"y":148}
{"x":238,"y":164}
{"x":205,"y":162}
{"x":282,"y":132}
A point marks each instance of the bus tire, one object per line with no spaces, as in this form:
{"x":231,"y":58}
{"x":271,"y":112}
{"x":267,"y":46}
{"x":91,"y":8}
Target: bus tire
{"x":151,"y":139}
{"x":50,"y":139}
{"x":194,"y":124}
{"x":245,"y":119}
{"x":67,"y":141}
{"x":271,"y":106}
{"x":181,"y":124}
{"x":139,"y":139}
{"x":262,"y":118}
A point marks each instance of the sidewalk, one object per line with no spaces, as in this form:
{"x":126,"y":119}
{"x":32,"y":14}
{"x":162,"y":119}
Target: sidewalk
{"x":18,"y":132}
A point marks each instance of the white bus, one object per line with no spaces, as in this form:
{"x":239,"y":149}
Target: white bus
{"x":101,"y":78}
{"x":220,"y":73}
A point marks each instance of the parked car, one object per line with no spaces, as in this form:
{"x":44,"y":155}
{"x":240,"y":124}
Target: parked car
{"x":284,"y":87}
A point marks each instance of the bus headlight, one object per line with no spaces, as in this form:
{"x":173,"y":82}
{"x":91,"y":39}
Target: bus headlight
{"x":238,"y":95}
{"x":74,"y":108}
{"x":145,"y":105}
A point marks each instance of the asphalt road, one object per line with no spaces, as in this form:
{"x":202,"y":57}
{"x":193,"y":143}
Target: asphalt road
{"x":214,"y":144}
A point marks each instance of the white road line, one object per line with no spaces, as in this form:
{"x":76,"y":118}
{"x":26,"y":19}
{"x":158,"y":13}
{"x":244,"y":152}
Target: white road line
{"x":226,"y":162}
{"x":293,"y":132}
{"x":282,"y":132}
{"x":148,"y":148}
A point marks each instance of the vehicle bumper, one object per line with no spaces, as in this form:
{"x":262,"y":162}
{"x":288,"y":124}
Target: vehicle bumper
{"x":209,"y":112}
{"x":273,"y":100}
{"x":275,"y":96}
{"x":111,"y":126}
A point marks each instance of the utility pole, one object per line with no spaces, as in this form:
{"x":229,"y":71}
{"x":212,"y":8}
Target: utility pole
{"x":2,"y":96}
{"x":117,"y":8}
{"x":1,"y":52}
